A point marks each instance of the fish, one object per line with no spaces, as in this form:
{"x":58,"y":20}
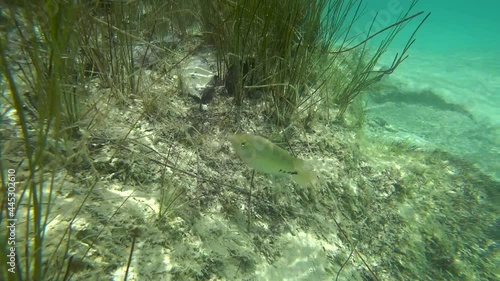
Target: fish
{"x":264,"y":156}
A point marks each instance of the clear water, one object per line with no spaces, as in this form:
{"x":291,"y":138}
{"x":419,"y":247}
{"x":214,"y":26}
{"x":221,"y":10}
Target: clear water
{"x":456,"y":56}
{"x":446,"y":95}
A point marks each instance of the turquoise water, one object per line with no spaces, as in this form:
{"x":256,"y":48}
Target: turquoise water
{"x":454,"y":26}
{"x":456,"y":57}
{"x":460,"y":26}
{"x":445,"y":97}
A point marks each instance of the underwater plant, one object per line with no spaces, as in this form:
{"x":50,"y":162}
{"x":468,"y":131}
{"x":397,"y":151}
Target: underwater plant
{"x":44,"y":92}
{"x":50,"y":54}
{"x":287,"y":51}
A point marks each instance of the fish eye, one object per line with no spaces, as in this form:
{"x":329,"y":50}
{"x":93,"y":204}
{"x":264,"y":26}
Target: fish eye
{"x":243,"y":143}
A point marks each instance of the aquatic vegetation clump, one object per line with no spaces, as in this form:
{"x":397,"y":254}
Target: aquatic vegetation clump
{"x":43,"y":94}
{"x":286,"y":51}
